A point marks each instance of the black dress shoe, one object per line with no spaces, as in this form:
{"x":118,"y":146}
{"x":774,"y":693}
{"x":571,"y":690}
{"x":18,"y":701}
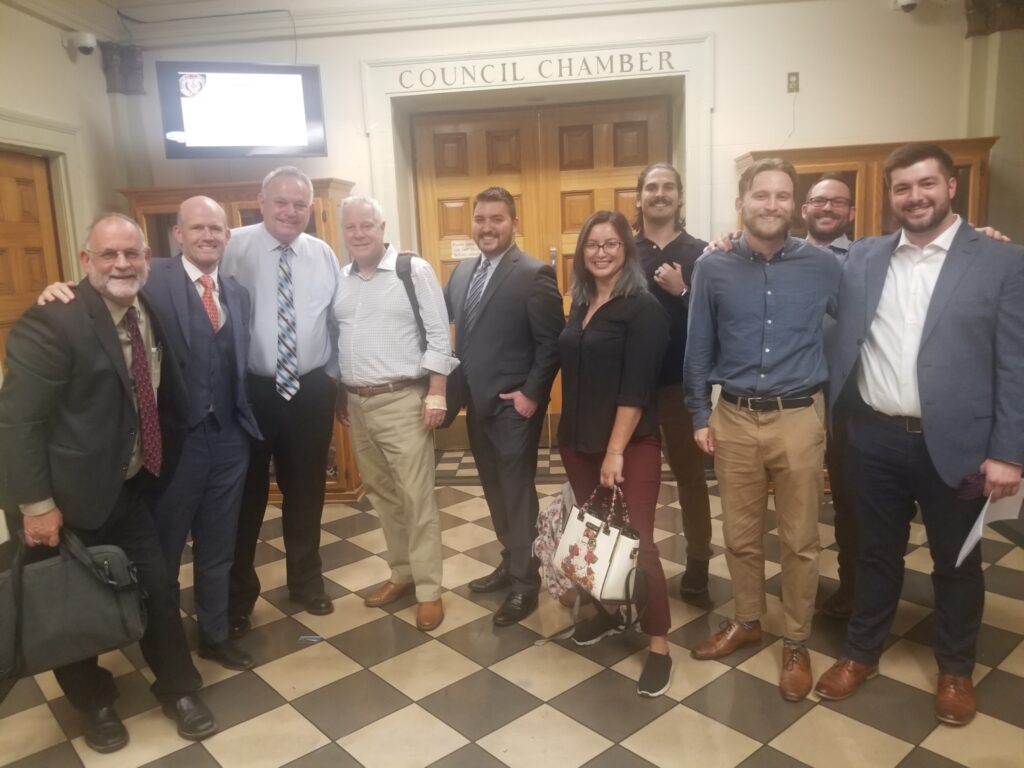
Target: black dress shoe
{"x":103,"y":730}
{"x":492,"y":582}
{"x":228,"y":654}
{"x":195,"y":720}
{"x":516,"y":607}
{"x":238,"y":626}
{"x":318,"y":605}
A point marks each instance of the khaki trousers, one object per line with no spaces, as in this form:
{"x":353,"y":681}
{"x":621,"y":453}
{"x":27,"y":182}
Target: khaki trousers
{"x":786,"y":448}
{"x":395,"y":456}
{"x":687,"y":462}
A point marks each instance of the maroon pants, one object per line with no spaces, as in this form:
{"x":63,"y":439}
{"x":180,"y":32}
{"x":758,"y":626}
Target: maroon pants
{"x":642,"y":472}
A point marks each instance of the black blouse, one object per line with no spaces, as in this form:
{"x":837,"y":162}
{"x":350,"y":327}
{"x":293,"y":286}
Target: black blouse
{"x":614,"y":361}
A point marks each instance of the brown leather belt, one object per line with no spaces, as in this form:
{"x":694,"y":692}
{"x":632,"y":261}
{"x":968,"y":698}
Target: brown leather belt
{"x":792,"y":400}
{"x":380,"y":389}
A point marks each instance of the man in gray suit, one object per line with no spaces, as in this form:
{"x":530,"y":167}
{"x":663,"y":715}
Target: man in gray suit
{"x":508,"y":314}
{"x":929,"y":367}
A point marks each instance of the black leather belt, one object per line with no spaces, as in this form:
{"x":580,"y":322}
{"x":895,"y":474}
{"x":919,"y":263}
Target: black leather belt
{"x":800,"y":399}
{"x":908,"y":424}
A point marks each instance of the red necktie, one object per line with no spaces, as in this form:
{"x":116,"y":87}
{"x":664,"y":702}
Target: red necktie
{"x":145,"y":398}
{"x":209,"y":302}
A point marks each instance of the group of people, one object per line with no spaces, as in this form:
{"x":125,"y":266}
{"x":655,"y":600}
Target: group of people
{"x":146,"y":404}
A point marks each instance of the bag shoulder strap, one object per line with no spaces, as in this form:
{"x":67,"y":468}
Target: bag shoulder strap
{"x":403,"y":268}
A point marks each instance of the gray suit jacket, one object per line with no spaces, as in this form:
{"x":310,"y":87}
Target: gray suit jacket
{"x":514,"y":343}
{"x":970,"y":365}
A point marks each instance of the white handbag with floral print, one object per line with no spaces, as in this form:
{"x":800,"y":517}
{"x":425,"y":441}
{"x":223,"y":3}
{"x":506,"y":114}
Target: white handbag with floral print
{"x":598,"y":549}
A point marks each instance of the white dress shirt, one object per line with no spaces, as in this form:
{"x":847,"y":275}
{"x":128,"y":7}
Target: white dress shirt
{"x":378,"y":341}
{"x":887,"y":379}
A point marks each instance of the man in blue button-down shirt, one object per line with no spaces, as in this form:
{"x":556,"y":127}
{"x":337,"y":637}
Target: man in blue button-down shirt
{"x":755,"y":328}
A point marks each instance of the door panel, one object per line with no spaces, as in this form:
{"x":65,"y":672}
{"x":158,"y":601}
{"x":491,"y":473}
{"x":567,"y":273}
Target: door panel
{"x":29,"y":260}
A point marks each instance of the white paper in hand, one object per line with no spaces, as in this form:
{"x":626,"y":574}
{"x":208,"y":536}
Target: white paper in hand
{"x":1006,"y":508}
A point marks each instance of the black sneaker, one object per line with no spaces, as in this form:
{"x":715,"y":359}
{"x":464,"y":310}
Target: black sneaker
{"x":657,"y":675}
{"x":598,"y":626}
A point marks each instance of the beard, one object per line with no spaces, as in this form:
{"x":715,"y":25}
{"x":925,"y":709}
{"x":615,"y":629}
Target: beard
{"x":832,"y":229}
{"x":766,"y":228}
{"x":120,"y":288}
{"x":940,"y":210}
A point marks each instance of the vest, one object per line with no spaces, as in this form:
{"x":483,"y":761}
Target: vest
{"x":210,"y":372}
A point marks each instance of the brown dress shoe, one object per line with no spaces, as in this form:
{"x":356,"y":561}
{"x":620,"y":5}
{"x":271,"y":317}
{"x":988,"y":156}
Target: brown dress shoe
{"x":795,"y":681}
{"x":386,"y":593}
{"x":954,"y":699}
{"x":429,"y":615}
{"x":843,"y":678}
{"x":730,"y":636}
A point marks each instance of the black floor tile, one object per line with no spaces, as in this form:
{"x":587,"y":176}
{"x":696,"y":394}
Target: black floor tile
{"x":489,"y":553}
{"x":1004,"y":581}
{"x":281,"y":599}
{"x":470,"y":756}
{"x":446,"y":496}
{"x":611,"y":650}
{"x":194,"y":756}
{"x":272,"y":529}
{"x":994,"y":644}
{"x":673,"y":548}
{"x":328,"y":756}
{"x":347,"y":705}
{"x":24,"y":695}
{"x":58,"y":756}
{"x":450,"y":521}
{"x":618,"y":757}
{"x":274,"y":640}
{"x":892,"y":707}
{"x":828,"y":635}
{"x":747,"y":704}
{"x":379,"y":640}
{"x":479,"y":704}
{"x":608,"y":704}
{"x":1001,"y":695}
{"x":667,"y":494}
{"x":917,"y":588}
{"x":994,"y":551}
{"x":923,"y":758}
{"x":240,"y":698}
{"x":489,"y":600}
{"x":766,"y":757}
{"x":481,"y":641}
{"x":266,"y":554}
{"x":353,"y":525}
{"x":669,"y":519}
{"x":339,"y":553}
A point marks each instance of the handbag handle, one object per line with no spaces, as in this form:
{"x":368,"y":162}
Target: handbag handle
{"x":614,"y":507}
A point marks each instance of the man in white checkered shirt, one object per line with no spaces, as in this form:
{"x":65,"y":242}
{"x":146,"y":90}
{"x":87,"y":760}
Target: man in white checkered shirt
{"x":395,"y":398}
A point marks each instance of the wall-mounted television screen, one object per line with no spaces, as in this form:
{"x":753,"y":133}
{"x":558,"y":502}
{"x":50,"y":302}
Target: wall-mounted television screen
{"x":240,"y":110}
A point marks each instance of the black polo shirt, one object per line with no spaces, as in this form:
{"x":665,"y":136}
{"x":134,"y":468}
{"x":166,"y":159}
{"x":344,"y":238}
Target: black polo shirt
{"x":684,"y":250}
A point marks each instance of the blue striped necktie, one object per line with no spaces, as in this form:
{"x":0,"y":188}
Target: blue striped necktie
{"x":476,"y":292}
{"x":287,"y":374}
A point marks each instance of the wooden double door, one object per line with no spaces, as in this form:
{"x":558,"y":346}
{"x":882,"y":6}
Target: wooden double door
{"x":560,"y":163}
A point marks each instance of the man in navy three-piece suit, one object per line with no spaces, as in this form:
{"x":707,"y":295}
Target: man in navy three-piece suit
{"x":928,"y":365}
{"x":205,"y":317}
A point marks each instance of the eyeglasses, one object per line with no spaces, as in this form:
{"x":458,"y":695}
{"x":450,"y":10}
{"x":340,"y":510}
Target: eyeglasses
{"x":110,"y":255}
{"x":608,"y":246}
{"x":837,"y":202}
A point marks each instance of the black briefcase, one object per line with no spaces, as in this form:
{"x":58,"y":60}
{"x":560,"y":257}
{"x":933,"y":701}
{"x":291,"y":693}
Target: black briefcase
{"x":83,"y":602}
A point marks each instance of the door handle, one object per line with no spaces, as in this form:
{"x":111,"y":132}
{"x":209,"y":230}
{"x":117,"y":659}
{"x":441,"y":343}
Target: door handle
{"x":553,"y":257}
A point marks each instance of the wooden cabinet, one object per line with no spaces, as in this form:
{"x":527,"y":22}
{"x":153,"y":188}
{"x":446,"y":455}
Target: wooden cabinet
{"x":860,"y":165}
{"x":156,"y":210}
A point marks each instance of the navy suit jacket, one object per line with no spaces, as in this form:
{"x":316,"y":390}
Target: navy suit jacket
{"x":970,"y":365}
{"x":167,"y":292}
{"x":514,"y":343}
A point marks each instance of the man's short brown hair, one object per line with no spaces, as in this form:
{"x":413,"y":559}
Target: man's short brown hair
{"x":767,"y":164}
{"x":497,"y":195}
{"x":913,"y":153}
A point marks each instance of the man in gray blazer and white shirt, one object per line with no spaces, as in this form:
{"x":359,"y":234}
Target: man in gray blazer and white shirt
{"x":929,"y":367}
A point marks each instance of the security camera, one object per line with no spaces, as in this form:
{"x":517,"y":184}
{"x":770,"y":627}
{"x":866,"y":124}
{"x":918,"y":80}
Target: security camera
{"x":906,"y":5}
{"x":83,"y":42}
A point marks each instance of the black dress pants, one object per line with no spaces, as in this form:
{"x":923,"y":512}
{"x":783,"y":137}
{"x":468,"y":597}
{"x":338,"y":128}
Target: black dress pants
{"x":297,"y":436}
{"x":845,"y":520}
{"x":888,"y":470}
{"x":89,"y":686}
{"x":505,"y":450}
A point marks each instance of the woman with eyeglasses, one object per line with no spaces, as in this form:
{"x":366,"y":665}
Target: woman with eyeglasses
{"x":611,"y":352}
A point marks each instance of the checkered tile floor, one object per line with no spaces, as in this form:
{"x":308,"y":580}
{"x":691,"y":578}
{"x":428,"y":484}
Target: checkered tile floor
{"x":364,"y":687}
